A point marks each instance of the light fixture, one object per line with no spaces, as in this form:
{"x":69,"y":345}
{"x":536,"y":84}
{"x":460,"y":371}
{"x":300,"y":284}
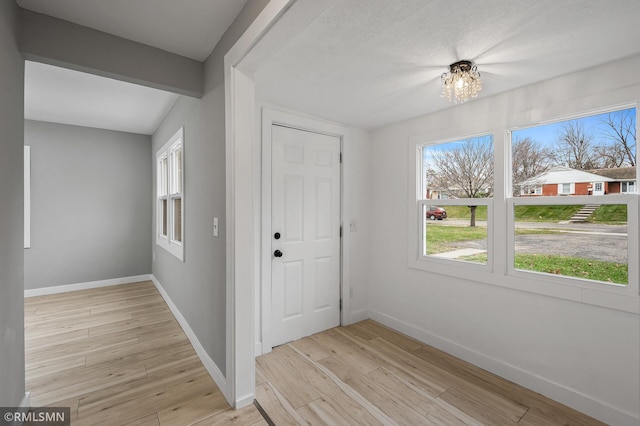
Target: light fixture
{"x":461,"y":82}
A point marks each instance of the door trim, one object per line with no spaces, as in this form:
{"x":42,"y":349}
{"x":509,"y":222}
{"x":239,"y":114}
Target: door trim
{"x":272,"y":117}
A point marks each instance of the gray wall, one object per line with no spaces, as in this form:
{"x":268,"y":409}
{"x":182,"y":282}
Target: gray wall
{"x":11,"y":210}
{"x":62,"y":43}
{"x":91,"y":196}
{"x":197,"y":286}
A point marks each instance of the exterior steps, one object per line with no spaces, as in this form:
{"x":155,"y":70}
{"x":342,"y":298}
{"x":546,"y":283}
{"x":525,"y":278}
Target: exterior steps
{"x":584,"y":213}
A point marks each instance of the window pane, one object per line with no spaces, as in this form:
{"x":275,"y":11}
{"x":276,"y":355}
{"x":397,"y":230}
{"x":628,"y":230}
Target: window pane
{"x":176,"y":170}
{"x":163,"y":217}
{"x":459,"y":169}
{"x":448,"y":233}
{"x":177,"y":219}
{"x":588,"y":242}
{"x":570,"y":157}
{"x":178,"y":155}
{"x":162,"y":176}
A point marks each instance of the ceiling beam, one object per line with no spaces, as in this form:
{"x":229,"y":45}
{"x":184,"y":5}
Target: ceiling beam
{"x":57,"y":42}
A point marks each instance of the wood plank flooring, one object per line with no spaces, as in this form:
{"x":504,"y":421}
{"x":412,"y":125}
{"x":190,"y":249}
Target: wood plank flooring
{"x":367,"y":374}
{"x":117,"y":356}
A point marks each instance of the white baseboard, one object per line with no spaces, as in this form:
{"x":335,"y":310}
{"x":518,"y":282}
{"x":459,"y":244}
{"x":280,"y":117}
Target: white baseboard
{"x":559,"y":392}
{"x":26,"y":401}
{"x":85,"y":286}
{"x":24,"y":407}
{"x":211,"y":366}
{"x":360,"y":315}
{"x":243,"y":402}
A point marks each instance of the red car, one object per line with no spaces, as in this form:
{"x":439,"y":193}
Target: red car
{"x":435,"y":212}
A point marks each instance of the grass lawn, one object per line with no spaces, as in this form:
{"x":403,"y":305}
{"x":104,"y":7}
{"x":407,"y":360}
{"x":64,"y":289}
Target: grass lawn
{"x":463,"y":212}
{"x":522,"y":231}
{"x":606,"y":214}
{"x":612,"y":214}
{"x":545,"y":213}
{"x":439,"y":237}
{"x":597,"y":270}
{"x":574,"y":267}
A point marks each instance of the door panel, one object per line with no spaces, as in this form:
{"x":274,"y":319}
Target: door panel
{"x":306,"y":212}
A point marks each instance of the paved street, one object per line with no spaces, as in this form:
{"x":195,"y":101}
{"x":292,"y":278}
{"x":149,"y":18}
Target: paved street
{"x":584,"y":240}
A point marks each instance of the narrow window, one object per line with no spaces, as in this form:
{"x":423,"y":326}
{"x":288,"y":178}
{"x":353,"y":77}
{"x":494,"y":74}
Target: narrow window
{"x":170,"y":195}
{"x":457,"y":181}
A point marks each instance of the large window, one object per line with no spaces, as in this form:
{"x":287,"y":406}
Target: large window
{"x":457,"y":185}
{"x":553,"y":212}
{"x":170,"y":195}
{"x":584,"y":235}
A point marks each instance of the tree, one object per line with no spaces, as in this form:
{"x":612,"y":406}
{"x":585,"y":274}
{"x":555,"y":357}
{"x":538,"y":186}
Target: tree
{"x":528,"y":160}
{"x":575,"y":147}
{"x":466,"y":171}
{"x":620,"y":129}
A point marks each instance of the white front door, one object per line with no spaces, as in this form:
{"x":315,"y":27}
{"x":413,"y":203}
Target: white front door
{"x":305,"y":233}
{"x":598,"y":188}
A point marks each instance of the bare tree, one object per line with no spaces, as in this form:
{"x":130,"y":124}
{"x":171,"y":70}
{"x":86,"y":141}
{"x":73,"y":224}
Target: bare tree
{"x":528,"y":160}
{"x":575,"y":147}
{"x":620,"y":129}
{"x":467,"y":171}
{"x":611,"y":156}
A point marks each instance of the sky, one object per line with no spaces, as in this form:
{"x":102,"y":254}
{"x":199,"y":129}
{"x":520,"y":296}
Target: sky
{"x":545,"y":135}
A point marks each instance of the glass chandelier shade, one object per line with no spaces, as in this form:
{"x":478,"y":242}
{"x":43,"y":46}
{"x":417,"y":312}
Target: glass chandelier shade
{"x":461,"y":83}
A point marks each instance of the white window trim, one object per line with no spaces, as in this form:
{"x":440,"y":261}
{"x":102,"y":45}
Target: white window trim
{"x":584,"y":285}
{"x":430,"y":261}
{"x":417,"y":260}
{"x":627,"y":182}
{"x":572,"y":188}
{"x":618,"y":297}
{"x":167,"y":242}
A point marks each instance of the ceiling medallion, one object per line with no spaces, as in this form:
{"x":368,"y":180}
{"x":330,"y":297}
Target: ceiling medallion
{"x":461,"y":83}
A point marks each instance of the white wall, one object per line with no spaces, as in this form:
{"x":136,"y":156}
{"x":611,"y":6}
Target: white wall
{"x":11,"y":210}
{"x":585,"y":356}
{"x":358,"y":193}
{"x":90,"y":205}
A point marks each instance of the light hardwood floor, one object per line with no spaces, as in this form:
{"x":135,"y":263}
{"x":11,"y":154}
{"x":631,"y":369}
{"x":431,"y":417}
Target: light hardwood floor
{"x":117,"y":356}
{"x":367,"y":374}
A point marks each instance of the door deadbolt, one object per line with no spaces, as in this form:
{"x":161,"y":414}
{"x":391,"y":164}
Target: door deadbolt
{"x":276,"y":235}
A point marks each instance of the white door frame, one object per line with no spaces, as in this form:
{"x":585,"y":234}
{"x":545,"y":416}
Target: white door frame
{"x":278,"y":23}
{"x":269,"y":118}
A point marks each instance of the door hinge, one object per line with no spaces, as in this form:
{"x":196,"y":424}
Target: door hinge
{"x":340,"y":231}
{"x":340,"y":158}
{"x":340,"y":305}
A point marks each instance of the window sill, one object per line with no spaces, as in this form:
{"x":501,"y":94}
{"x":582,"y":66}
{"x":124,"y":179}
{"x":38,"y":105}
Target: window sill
{"x":616,"y":297}
{"x":175,"y":249}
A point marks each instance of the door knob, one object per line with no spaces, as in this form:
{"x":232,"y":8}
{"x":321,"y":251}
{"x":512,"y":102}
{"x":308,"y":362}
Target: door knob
{"x":277,"y":253}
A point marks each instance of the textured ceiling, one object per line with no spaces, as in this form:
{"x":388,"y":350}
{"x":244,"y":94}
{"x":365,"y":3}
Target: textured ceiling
{"x":64,"y":96}
{"x":374,"y":62}
{"x":189,"y":28}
